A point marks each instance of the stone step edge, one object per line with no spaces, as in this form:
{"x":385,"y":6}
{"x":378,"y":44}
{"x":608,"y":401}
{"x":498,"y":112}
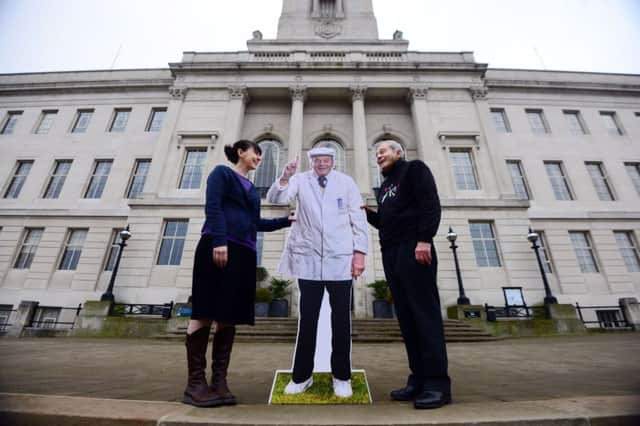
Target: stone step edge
{"x":27,"y":409}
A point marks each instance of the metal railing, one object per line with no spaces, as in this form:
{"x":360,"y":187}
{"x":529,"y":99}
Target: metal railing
{"x":140,"y":309}
{"x":606,"y":317}
{"x":7,"y":318}
{"x":55,"y":317}
{"x":513,"y":312}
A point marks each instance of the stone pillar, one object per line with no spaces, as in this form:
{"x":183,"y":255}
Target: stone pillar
{"x":631,"y":311}
{"x":26,"y":311}
{"x":152,"y":186}
{"x":360,"y":153}
{"x":232,"y":132}
{"x":296,"y":128}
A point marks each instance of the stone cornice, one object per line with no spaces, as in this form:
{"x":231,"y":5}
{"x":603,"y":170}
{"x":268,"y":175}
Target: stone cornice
{"x":566,"y":85}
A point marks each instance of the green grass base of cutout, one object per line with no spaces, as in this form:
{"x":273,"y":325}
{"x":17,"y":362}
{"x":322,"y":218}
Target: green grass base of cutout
{"x":321,"y":392}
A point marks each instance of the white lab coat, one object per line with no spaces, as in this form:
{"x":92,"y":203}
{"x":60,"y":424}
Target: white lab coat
{"x":329,"y":226}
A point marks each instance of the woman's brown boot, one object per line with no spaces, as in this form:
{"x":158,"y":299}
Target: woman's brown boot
{"x":220,"y":357}
{"x":197,"y":392}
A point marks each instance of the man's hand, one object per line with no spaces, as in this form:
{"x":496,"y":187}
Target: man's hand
{"x":220,"y":256}
{"x":423,"y":253}
{"x":289,"y":170}
{"x":357,"y":264}
{"x":368,"y":209}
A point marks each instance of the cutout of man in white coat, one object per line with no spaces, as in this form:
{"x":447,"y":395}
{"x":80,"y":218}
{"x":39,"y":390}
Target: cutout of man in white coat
{"x":325,"y":249}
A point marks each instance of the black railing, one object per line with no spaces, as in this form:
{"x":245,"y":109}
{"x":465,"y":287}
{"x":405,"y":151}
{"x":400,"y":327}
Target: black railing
{"x":7,"y":316}
{"x":134,"y":309}
{"x":55,"y":317}
{"x":513,"y":312}
{"x":606,"y":317}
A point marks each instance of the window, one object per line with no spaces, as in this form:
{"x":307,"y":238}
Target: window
{"x":584,"y":251}
{"x":98,"y":178}
{"x":546,"y":254}
{"x":634,"y":173}
{"x":559,"y":181}
{"x":155,"y":119}
{"x":114,"y":249}
{"x":72,"y":249}
{"x":537,"y":121}
{"x":28,"y":248}
{"x":499,"y":117}
{"x":612,"y":123}
{"x":463,"y":169}
{"x":138,"y":178}
{"x":175,"y":232}
{"x":20,"y":173}
{"x":484,"y":244}
{"x":575,"y":122}
{"x":518,"y":179}
{"x":269,"y":167}
{"x":57,"y":178}
{"x":46,"y":317}
{"x":193,"y":168}
{"x":46,"y":121}
{"x":81,"y":123}
{"x":339,"y":163}
{"x":628,"y":247}
{"x":10,"y":122}
{"x":259,"y":248}
{"x":600,"y":180}
{"x":120,"y":118}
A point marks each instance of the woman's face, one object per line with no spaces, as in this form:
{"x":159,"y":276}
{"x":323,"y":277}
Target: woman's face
{"x":249,"y":158}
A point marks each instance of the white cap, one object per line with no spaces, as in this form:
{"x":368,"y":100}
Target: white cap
{"x":322,"y":150}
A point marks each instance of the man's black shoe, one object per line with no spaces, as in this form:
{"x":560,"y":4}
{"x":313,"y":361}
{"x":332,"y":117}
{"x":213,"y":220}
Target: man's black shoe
{"x":407,"y":393}
{"x":432,"y":399}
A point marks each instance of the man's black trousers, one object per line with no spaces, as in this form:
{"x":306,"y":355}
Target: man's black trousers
{"x":311,"y":293}
{"x":415,"y":296}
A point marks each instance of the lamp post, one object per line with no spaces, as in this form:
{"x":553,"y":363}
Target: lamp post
{"x":452,"y":237}
{"x":549,"y":299}
{"x":107,"y":296}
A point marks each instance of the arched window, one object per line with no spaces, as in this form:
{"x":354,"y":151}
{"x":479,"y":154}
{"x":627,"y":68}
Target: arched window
{"x":340,"y":162}
{"x":272,"y":162}
{"x":375,"y":173}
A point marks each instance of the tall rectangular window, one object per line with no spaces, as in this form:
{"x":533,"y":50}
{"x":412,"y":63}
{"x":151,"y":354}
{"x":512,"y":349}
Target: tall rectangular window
{"x":81,"y":123}
{"x":193,"y":168}
{"x":19,"y":176}
{"x":72,"y":249}
{"x":119,"y":121}
{"x":537,"y":121}
{"x":259,"y":247}
{"x":499,"y":117}
{"x":634,"y":173}
{"x":463,"y":169}
{"x":544,"y":251}
{"x":600,"y":180}
{"x":518,"y":179}
{"x":575,"y":122}
{"x":628,"y":247}
{"x":584,"y":251}
{"x":155,"y":119}
{"x":173,"y":237}
{"x":98,"y":180}
{"x":28,"y":248}
{"x":612,"y":123}
{"x":9,"y":123}
{"x":558,"y":179}
{"x":57,"y":178}
{"x":484,"y":244}
{"x":114,"y":249}
{"x":46,"y":121}
{"x":138,"y":178}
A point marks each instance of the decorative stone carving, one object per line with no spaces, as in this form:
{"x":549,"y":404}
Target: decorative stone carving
{"x":328,"y":29}
{"x":257,"y":35}
{"x":417,"y":93}
{"x":397,"y":35}
{"x":298,"y":93}
{"x":357,"y":92}
{"x":327,"y":128}
{"x":178,"y":93}
{"x":268,"y":128}
{"x":479,"y":92}
{"x":238,"y":92}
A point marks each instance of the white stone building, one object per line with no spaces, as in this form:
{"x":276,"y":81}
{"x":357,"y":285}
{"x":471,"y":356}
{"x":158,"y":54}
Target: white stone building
{"x":84,"y":153}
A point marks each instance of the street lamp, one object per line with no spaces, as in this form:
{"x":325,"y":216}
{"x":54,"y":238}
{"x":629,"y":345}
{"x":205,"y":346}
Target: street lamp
{"x":452,"y":237}
{"x":533,"y":239}
{"x":107,"y":296}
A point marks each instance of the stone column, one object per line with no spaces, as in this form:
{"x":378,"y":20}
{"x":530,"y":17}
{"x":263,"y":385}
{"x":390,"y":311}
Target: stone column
{"x":360,"y":154}
{"x":162,"y":146}
{"x":232,"y":132}
{"x":26,"y":311}
{"x":296,"y":134}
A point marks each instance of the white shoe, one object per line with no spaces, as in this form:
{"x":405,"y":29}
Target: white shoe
{"x":293,"y":388}
{"x":342,"y":388}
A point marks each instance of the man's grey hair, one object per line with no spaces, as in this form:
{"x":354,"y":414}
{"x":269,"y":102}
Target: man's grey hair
{"x":391,"y":144}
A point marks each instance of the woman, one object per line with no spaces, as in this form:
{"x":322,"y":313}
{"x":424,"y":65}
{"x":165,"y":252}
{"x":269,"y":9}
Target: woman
{"x":224,"y":279}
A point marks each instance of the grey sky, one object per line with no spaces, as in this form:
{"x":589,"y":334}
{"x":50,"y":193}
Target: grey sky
{"x":580,"y":35}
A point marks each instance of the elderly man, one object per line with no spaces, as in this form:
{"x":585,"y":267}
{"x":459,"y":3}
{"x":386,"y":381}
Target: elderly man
{"x":408,"y":217}
{"x":325,"y":250}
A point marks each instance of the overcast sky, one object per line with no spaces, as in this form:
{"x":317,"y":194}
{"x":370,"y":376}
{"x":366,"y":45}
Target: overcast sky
{"x":576,"y":35}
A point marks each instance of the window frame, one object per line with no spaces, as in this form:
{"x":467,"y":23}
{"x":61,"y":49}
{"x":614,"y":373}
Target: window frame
{"x":27,"y":249}
{"x":114,"y":120}
{"x":9,"y":122}
{"x":543,"y":120}
{"x":112,"y":250}
{"x":11,"y":185}
{"x":582,"y":125}
{"x":53,"y":175}
{"x":72,"y":263}
{"x":97,"y":183}
{"x":482,"y":240}
{"x":505,"y":120}
{"x":150,"y":121}
{"x":134,"y":175}
{"x":590,"y":248}
{"x":185,"y":164}
{"x":632,"y":247}
{"x":474,"y":171}
{"x":604,"y":180}
{"x":547,"y":261}
{"x":635,"y":181}
{"x":173,"y":238}
{"x":278,"y":165}
{"x":615,"y":120}
{"x":76,"y":120}
{"x":565,"y":179}
{"x":46,"y":116}
{"x":523,"y":178}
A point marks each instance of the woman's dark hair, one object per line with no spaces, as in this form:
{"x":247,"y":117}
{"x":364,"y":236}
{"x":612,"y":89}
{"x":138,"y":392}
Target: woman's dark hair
{"x":232,"y":151}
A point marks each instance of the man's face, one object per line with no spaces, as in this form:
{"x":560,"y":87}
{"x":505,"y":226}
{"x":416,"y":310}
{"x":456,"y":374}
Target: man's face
{"x":322,"y":164}
{"x":386,"y":156}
